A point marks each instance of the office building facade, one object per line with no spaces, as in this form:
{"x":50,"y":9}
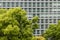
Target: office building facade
{"x":48,"y":11}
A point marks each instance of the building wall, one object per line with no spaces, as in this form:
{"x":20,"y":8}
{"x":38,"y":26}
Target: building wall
{"x":48,"y":11}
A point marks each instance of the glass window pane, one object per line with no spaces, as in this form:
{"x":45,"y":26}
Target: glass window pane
{"x":30,"y":9}
{"x":4,"y":4}
{"x":38,"y":4}
{"x":25,"y":4}
{"x":46,"y":4}
{"x":34,"y":9}
{"x":42,"y":31}
{"x":21,"y":4}
{"x":46,"y":20}
{"x":8,"y":4}
{"x":30,"y":4}
{"x":38,"y":31}
{"x":42,"y":20}
{"x":42,"y":9}
{"x":38,"y":9}
{"x":42,"y":26}
{"x":17,"y":4}
{"x":42,"y":4}
{"x":34,"y":4}
{"x":12,"y":3}
{"x":46,"y":26}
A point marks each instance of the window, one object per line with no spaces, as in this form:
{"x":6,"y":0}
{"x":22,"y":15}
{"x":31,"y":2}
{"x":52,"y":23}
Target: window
{"x":25,"y":9}
{"x":29,"y":0}
{"x":4,"y":4}
{"x":38,"y":15}
{"x":42,"y":9}
{"x":12,"y":3}
{"x":42,"y":26}
{"x":42,"y":20}
{"x":54,"y":0}
{"x":50,"y":9}
{"x":42,"y":4}
{"x":46,"y":4}
{"x":50,"y":20}
{"x":42,"y":17}
{"x":17,"y":4}
{"x":21,"y":4}
{"x":46,"y":0}
{"x":42,"y":31}
{"x":38,"y":9}
{"x":8,"y":4}
{"x":46,"y":26}
{"x":54,"y":20}
{"x":29,"y":9}
{"x":33,"y":0}
{"x":46,"y":20}
{"x":34,"y":9}
{"x":58,"y":0}
{"x":34,"y":14}
{"x":42,"y":0}
{"x":50,"y":0}
{"x":29,"y":4}
{"x":46,"y":10}
{"x":38,"y":0}
{"x":34,"y":4}
{"x":25,"y":0}
{"x":38,"y":31}
{"x":50,"y":4}
{"x":25,"y":4}
{"x":38,"y":4}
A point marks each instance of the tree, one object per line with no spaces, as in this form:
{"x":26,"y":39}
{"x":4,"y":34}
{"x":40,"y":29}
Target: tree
{"x":53,"y":32}
{"x":14,"y":25}
{"x":40,"y":38}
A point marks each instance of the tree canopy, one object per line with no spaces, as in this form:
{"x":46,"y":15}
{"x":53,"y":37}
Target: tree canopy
{"x":14,"y":25}
{"x":53,"y":32}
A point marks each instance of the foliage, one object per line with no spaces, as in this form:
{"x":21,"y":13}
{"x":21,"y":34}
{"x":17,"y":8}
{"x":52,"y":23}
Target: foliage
{"x":14,"y":25}
{"x":53,"y":32}
{"x":40,"y":38}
